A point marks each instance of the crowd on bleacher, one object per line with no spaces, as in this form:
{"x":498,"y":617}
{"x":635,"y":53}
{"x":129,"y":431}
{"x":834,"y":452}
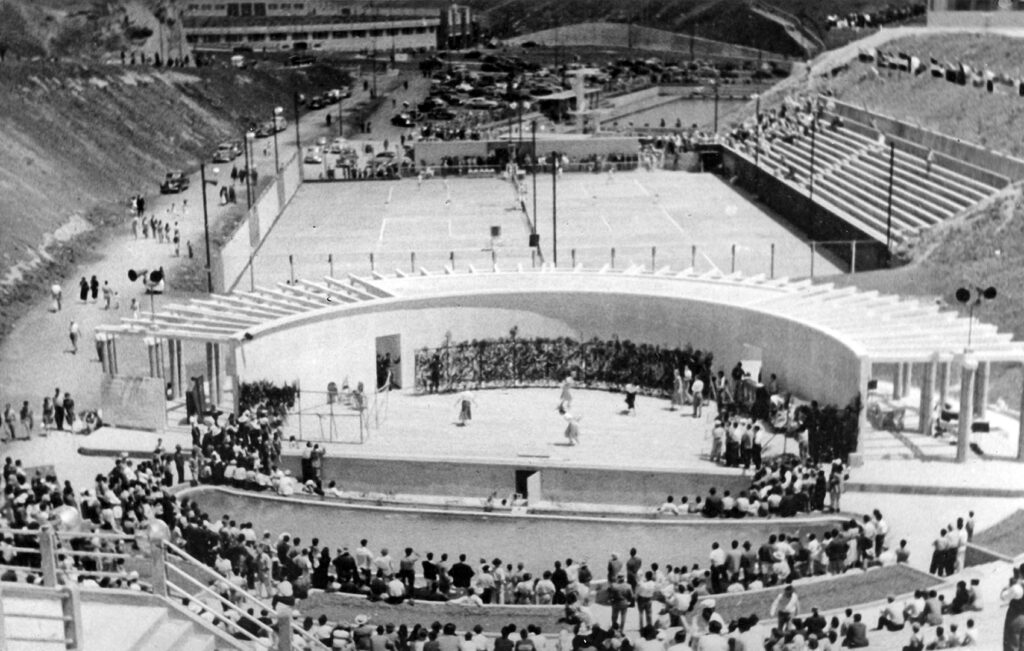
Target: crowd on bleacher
{"x":961,"y":73}
{"x":870,"y":19}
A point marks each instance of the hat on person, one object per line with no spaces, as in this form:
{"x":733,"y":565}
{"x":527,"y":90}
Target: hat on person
{"x":284,"y":589}
{"x":708,"y":603}
{"x":361,"y":619}
{"x":133,"y":576}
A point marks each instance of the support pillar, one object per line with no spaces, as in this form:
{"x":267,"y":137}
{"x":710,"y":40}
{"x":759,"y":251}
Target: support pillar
{"x":209,"y":372}
{"x":897,"y":382}
{"x":159,"y":358}
{"x":111,"y":356}
{"x":908,"y":374}
{"x":943,"y":388}
{"x":216,"y":373}
{"x":866,"y":373}
{"x":113,"y":353}
{"x":1020,"y":432}
{"x":968,"y":370}
{"x":981,"y":391}
{"x":172,"y":358}
{"x":926,"y":418}
{"x":101,"y":352}
{"x":181,"y":376}
{"x":151,"y":353}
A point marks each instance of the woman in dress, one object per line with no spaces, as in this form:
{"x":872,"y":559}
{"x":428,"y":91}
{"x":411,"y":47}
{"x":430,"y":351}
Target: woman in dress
{"x":465,"y":402}
{"x":83,"y":290}
{"x":631,"y":399}
{"x":572,"y":428}
{"x":677,"y":389}
{"x":565,"y":397}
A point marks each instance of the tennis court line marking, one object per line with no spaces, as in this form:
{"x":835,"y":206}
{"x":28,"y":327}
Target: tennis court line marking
{"x":640,"y":185}
{"x":607,"y":225}
{"x":671,"y":220}
{"x":713,"y":265}
{"x":383,"y":225}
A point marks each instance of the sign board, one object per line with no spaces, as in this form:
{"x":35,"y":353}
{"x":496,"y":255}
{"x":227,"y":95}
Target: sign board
{"x":134,"y":402}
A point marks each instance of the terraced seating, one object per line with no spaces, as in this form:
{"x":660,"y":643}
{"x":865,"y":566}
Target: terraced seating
{"x":852,"y":178}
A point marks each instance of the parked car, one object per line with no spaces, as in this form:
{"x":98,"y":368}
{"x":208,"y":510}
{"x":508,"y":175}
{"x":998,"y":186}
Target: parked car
{"x":175,"y":181}
{"x":441,"y":114}
{"x":481,"y":103}
{"x":402,"y":120}
{"x":313,"y":156}
{"x":226,"y":152}
{"x":265,"y":130}
{"x":316,"y":102}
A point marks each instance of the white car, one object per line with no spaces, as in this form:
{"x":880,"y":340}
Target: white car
{"x":338,"y":145}
{"x":481,"y":103}
{"x":313,"y":156}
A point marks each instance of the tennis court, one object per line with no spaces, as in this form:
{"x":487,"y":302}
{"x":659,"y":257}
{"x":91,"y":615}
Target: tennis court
{"x":655,"y":218}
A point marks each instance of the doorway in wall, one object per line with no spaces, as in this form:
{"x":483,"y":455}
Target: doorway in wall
{"x":389,"y":353}
{"x":528,"y":484}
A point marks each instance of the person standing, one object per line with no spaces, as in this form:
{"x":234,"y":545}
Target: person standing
{"x":57,"y":294}
{"x":28,"y":421}
{"x":631,"y":391}
{"x":465,"y":402}
{"x":565,"y":397}
{"x":179,"y":463}
{"x":47,"y":414}
{"x":69,"y":411}
{"x":10,"y":422}
{"x":94,"y":288}
{"x":677,"y":390}
{"x":697,"y":389}
{"x":83,"y":290}
{"x":73,"y":334}
{"x":1013,"y":624}
{"x":108,"y":294}
{"x":620,"y":598}
{"x":58,"y":410}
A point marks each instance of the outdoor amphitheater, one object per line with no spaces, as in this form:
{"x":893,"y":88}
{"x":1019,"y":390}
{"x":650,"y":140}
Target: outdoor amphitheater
{"x":484,"y":356}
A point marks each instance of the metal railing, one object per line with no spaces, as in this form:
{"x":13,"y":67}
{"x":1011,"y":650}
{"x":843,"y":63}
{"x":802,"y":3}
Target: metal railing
{"x":165,"y":570}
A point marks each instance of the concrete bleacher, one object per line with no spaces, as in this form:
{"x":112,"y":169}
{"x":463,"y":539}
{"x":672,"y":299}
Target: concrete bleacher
{"x":851,"y":175}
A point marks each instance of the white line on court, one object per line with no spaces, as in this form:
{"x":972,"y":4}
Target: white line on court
{"x":609,"y":226}
{"x":383,"y":225}
{"x":713,"y":265}
{"x":671,"y":220}
{"x":642,"y":188}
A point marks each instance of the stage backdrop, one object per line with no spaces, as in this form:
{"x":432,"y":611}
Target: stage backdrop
{"x":134,"y":402}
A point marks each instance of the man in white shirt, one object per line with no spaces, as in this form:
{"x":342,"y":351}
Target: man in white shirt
{"x":384,"y":563}
{"x":364,"y":561}
{"x":396,"y":590}
{"x":668,"y":507}
{"x":891,"y":618}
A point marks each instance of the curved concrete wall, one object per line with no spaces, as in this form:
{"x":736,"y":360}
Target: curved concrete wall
{"x":339,"y":344}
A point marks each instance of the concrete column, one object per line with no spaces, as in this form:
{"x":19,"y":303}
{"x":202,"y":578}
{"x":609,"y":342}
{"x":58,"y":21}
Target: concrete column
{"x":160,"y":358}
{"x":908,"y":369}
{"x":897,"y":382}
{"x":1020,"y":433}
{"x":151,"y":353}
{"x":968,"y":369}
{"x":111,"y":367}
{"x":928,"y":395}
{"x":209,"y":372}
{"x":216,"y":372}
{"x":181,"y":375}
{"x":866,"y":372}
{"x":101,"y":352}
{"x":113,"y":353}
{"x":981,"y":391}
{"x":943,"y":389}
{"x":172,"y":359}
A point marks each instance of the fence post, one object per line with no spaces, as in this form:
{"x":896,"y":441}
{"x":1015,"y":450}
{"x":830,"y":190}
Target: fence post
{"x":284,"y":629}
{"x":412,"y":261}
{"x":693,"y":257}
{"x":494,"y":260}
{"x":372,"y":268}
{"x":252,"y":273}
{"x":291,"y":267}
{"x":48,"y":556}
{"x":853,"y":256}
{"x":533,"y":258}
{"x":654,"y":256}
{"x":451,"y":259}
{"x":814,"y":249}
{"x":159,"y":569}
{"x":573,"y":253}
{"x":613,"y":257}
{"x":71,"y":607}
{"x":732,"y":268}
{"x":330,"y":261}
{"x":772,"y":268}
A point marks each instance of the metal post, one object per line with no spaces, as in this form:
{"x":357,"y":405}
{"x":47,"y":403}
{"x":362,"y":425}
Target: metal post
{"x":277,"y":160}
{"x":341,"y":122}
{"x":968,"y":369}
{"x":716,"y":106}
{"x":71,"y":609}
{"x":451,"y":259}
{"x":772,"y":267}
{"x":216,"y":373}
{"x":533,"y":169}
{"x":206,"y":230}
{"x":298,"y":142}
{"x":159,"y":577}
{"x":613,"y":257}
{"x":412,"y":261}
{"x":284,"y":629}
{"x":372,"y":268}
{"x":732,"y":268}
{"x":573,"y":252}
{"x":48,"y":556}
{"x":654,"y":257}
{"x":291,"y":269}
{"x":814,"y":141}
{"x":757,"y":141}
{"x":888,"y":211}
{"x":252,"y":274}
{"x":554,"y":208}
{"x":814,"y":252}
{"x":172,"y":358}
{"x":330,"y":262}
{"x":248,"y":170}
{"x":693,"y":256}
{"x":853,"y":256}
{"x":533,"y":258}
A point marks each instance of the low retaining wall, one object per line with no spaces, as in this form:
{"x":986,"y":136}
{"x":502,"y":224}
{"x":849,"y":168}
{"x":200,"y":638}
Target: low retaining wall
{"x":972,"y":161}
{"x":810,"y":218}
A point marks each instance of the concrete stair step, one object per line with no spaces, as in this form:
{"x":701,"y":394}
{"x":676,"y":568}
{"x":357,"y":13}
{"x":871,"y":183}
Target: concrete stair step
{"x":169,"y":634}
{"x":32,"y":618}
{"x":134,"y":623}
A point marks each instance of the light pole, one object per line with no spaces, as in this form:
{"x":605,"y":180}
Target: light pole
{"x":533,"y":169}
{"x":888,"y":210}
{"x":512,"y":110}
{"x":810,"y":173}
{"x":715,"y":84}
{"x":341,"y":113}
{"x":206,"y":223}
{"x":298,"y":142}
{"x":973,"y":300}
{"x":273,"y":128}
{"x":554,"y":207}
{"x":248,"y":171}
{"x":522,"y":106}
{"x":757,"y":131}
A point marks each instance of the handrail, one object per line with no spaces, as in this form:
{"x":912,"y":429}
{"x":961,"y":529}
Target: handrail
{"x":225,"y":603}
{"x":296,"y":630}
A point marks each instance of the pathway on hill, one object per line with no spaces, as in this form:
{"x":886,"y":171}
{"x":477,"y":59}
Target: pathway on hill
{"x":36,"y":358}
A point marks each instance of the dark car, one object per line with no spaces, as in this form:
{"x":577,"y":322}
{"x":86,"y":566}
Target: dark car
{"x":441,"y":114}
{"x":175,"y":181}
{"x":402,"y":120}
{"x":316,"y":102}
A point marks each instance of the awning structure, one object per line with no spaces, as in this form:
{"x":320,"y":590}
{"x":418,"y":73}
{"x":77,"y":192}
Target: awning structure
{"x":882,"y":327}
{"x":873,"y":328}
